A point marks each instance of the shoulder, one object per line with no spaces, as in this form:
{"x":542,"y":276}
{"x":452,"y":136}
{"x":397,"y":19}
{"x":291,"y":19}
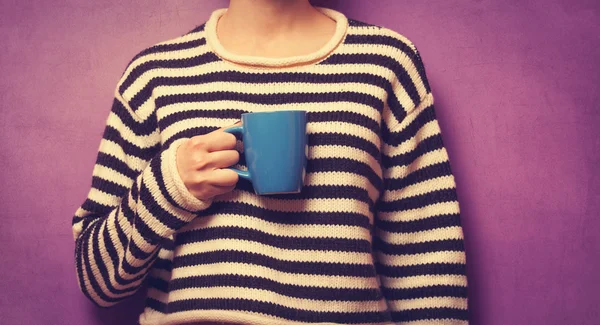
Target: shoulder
{"x":370,"y":33}
{"x":388,"y":47}
{"x":166,"y":53}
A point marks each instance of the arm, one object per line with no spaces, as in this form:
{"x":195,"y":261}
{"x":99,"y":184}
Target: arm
{"x":418,"y":238}
{"x":136,"y":200}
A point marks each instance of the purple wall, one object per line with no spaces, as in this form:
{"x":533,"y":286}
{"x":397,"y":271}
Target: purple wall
{"x":516,"y":85}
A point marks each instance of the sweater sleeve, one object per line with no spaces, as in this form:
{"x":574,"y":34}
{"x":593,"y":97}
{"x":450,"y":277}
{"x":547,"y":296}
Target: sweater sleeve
{"x":136,"y":201}
{"x":418,"y":238}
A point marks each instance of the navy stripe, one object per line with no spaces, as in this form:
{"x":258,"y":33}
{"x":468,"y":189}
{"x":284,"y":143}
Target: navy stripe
{"x":158,"y":284}
{"x":231,"y":113}
{"x":358,"y":23}
{"x":90,"y":238}
{"x":315,"y":192}
{"x":337,"y":139}
{"x":421,"y":69}
{"x":79,"y":255}
{"x":98,"y":208}
{"x":129,"y":148}
{"x":411,"y":226}
{"x":379,"y":60}
{"x":285,"y":242}
{"x":413,"y":55}
{"x":156,"y":305}
{"x":276,"y":310}
{"x":419,"y":201}
{"x":442,"y":313}
{"x":163,"y":48}
{"x":109,"y":187}
{"x":298,"y":291}
{"x":102,"y":267}
{"x":425,"y":292}
{"x":257,"y":78}
{"x":272,"y":99}
{"x":318,"y":268}
{"x":144,"y":128}
{"x":112,"y":162}
{"x":112,"y":252}
{"x":163,"y":264}
{"x":444,"y":245}
{"x":381,"y":40}
{"x":395,"y":138}
{"x":420,"y":175}
{"x":120,"y":233}
{"x":344,"y":165}
{"x":420,"y":269}
{"x":156,"y":169}
{"x":288,"y":218}
{"x":139,"y":70}
{"x":156,"y":209}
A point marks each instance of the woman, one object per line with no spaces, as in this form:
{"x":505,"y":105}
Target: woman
{"x":375,"y":235}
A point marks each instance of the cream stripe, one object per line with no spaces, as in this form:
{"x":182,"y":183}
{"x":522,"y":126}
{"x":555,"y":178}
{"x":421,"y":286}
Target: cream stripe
{"x":158,"y":295}
{"x":290,"y":255}
{"x":86,"y":282}
{"x":152,"y":184}
{"x":413,"y":114}
{"x":112,"y":149}
{"x":110,"y":269}
{"x":114,"y":239}
{"x":342,"y":178}
{"x":427,"y":159}
{"x":311,"y":128}
{"x":95,"y":272}
{"x":429,"y":302}
{"x":169,"y":55}
{"x":423,"y":258}
{"x":439,"y":183}
{"x":261,"y":295}
{"x":220,"y":105}
{"x":421,"y":213}
{"x":212,"y":67}
{"x":275,"y":88}
{"x":143,"y":142}
{"x":104,"y":198}
{"x":300,"y":279}
{"x":276,"y":229}
{"x":112,"y":175}
{"x":400,"y":57}
{"x":428,"y":130}
{"x":306,"y":205}
{"x":146,"y":108}
{"x":238,"y":317}
{"x":424,"y":281}
{"x":357,"y":30}
{"x":420,"y":237}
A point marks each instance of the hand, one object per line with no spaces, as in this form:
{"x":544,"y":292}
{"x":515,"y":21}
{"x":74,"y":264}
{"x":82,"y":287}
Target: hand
{"x":202,"y":163}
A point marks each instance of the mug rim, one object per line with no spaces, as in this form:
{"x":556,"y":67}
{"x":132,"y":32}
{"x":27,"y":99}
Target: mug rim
{"x":282,"y":111}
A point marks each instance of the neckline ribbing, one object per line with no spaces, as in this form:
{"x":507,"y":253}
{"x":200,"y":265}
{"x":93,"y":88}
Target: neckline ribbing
{"x":215,"y":45}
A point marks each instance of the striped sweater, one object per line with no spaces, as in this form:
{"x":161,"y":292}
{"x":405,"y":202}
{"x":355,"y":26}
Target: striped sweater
{"x":374,"y":237}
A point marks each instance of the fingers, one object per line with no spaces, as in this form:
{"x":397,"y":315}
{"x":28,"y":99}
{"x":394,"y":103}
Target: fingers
{"x":219,"y":140}
{"x":223,"y":178}
{"x":222,"y":158}
{"x":218,"y":190}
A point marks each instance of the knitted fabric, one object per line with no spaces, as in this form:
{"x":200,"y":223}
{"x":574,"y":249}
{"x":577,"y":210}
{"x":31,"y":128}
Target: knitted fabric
{"x":374,"y":237}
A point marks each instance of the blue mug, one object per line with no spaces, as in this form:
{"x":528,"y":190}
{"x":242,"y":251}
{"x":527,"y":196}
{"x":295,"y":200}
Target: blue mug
{"x":276,"y":150}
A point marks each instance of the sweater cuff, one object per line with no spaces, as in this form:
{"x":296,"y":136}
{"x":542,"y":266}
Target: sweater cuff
{"x":174,"y":184}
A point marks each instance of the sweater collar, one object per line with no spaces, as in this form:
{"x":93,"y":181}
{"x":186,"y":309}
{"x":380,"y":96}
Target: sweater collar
{"x":214,"y":44}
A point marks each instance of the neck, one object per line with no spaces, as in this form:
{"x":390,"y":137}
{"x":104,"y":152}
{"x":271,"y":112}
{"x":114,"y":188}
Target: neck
{"x":267,"y":18}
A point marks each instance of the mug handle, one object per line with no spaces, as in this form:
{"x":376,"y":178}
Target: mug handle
{"x":239,"y":130}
